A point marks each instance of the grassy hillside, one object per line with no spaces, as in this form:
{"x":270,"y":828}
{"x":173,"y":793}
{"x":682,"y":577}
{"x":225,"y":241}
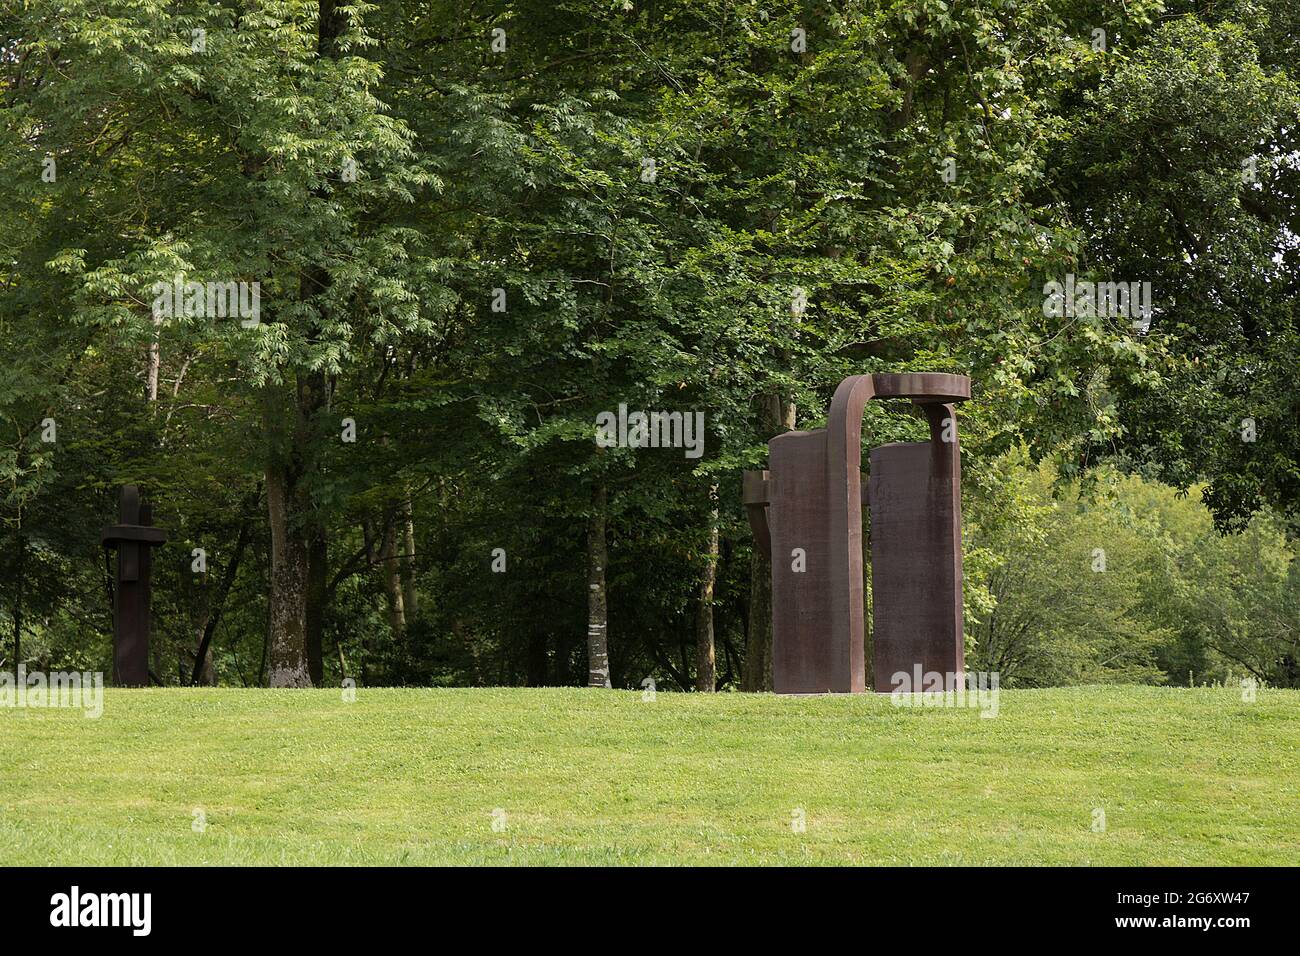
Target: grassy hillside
{"x":413,"y":776}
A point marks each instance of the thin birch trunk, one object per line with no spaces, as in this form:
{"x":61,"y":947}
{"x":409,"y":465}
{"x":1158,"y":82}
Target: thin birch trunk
{"x":597,"y":600}
{"x":706,"y":671}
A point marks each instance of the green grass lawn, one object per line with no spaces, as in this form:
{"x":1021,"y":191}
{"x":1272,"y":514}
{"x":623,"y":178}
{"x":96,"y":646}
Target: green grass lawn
{"x":413,"y":776}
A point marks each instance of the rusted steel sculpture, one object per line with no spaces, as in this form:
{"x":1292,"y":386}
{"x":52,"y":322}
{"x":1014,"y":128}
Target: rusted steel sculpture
{"x":132,"y":538}
{"x":806,"y":514}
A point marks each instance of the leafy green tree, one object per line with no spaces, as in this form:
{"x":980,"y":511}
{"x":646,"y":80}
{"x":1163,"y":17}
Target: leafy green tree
{"x":1182,"y":172}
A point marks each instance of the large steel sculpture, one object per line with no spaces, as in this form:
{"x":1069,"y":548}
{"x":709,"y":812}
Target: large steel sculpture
{"x":132,"y":538}
{"x":806,"y":513}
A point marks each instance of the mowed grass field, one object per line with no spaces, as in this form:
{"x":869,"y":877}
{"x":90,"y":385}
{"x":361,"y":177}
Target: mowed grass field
{"x":604,"y":777}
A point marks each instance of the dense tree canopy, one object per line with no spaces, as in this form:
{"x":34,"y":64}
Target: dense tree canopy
{"x":474,"y":228}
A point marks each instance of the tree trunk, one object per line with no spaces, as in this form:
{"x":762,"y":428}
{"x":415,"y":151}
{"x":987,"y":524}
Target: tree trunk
{"x":390,"y":568}
{"x":597,"y":603}
{"x":758,"y":644}
{"x":299,"y":590}
{"x":198,"y":599}
{"x":155,"y":363}
{"x":317,"y":599}
{"x":410,"y":602}
{"x":151,"y":380}
{"x":20,"y":578}
{"x":287,"y":636}
{"x":288,"y":421}
{"x":778,"y":415}
{"x":204,"y":671}
{"x":706,"y":674}
{"x":208,"y":672}
{"x":298,"y":538}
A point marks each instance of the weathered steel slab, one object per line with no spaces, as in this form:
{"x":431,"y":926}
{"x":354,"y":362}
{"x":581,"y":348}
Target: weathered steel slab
{"x":916,"y":608}
{"x":803,"y":659}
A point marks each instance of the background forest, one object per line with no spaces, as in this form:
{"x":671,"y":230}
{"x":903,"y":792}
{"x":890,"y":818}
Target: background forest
{"x":477,"y":225}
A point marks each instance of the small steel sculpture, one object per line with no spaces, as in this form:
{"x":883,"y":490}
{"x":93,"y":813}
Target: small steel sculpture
{"x":806,"y":514}
{"x":132,"y":539}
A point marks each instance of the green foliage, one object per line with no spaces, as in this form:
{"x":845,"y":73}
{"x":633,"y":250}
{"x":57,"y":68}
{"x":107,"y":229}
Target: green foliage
{"x":1128,"y":582}
{"x":682,"y":211}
